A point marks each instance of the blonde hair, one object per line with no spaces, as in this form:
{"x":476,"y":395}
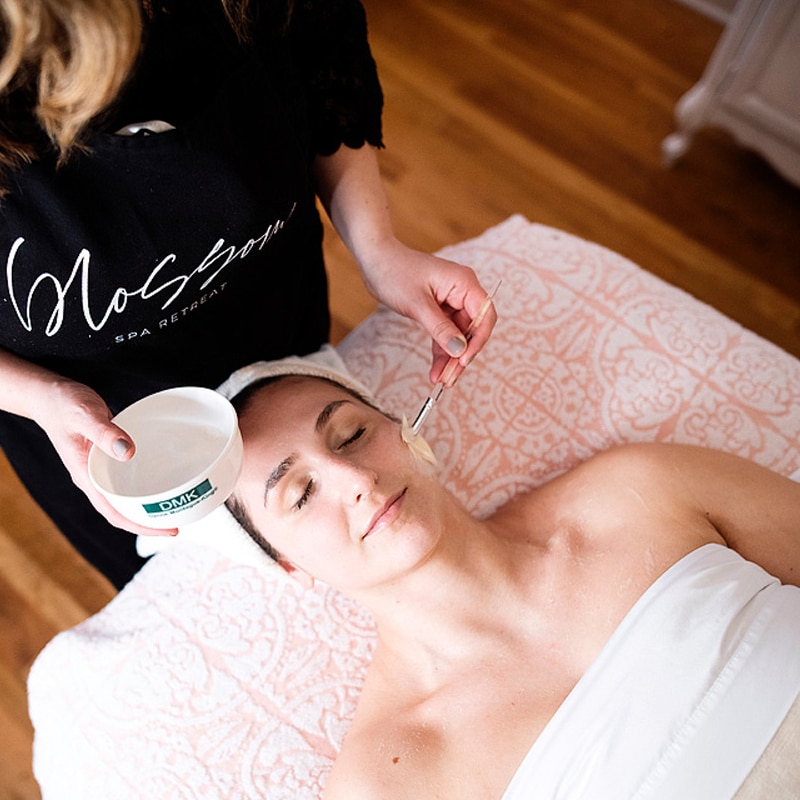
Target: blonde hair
{"x":66,"y":61}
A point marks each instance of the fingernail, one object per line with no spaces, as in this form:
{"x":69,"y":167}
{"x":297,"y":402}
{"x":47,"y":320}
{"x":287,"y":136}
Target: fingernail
{"x":121,"y":447}
{"x":456,"y":346}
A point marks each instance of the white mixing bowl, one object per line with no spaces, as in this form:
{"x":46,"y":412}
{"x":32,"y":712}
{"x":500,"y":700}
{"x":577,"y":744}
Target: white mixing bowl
{"x":188,"y":458}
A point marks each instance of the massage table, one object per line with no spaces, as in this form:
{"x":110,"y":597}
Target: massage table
{"x":213,"y":675}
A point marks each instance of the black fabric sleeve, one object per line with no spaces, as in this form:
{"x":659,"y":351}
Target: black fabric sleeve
{"x":343,"y":93}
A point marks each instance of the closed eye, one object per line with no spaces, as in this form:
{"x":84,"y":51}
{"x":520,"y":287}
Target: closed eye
{"x":354,"y":438}
{"x":309,"y":490}
{"x":304,"y":498}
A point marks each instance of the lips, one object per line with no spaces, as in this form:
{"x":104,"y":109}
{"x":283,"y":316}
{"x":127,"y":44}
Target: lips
{"x":386,"y":514}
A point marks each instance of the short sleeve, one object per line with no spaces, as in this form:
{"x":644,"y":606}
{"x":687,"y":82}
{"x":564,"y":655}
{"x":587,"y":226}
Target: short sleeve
{"x":343,"y":92}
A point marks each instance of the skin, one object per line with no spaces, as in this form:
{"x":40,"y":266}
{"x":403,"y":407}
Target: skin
{"x":484,"y":626}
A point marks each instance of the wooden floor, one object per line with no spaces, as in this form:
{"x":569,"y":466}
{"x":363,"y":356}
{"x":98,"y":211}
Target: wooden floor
{"x":554,"y":109}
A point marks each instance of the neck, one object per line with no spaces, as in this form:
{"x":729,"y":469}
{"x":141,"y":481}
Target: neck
{"x":453,"y":605}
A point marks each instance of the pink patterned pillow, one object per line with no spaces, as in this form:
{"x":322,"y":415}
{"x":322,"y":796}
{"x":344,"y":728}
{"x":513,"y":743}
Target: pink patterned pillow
{"x":206,"y":678}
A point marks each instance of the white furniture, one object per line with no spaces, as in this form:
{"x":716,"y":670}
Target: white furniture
{"x":751,"y":86}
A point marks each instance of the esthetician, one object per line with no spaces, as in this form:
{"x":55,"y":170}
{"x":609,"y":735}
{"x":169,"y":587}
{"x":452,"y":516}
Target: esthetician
{"x":159,"y":163}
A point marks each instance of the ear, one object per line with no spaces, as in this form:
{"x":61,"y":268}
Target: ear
{"x":305,"y":579}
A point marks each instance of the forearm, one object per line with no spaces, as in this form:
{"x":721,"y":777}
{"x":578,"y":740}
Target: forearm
{"x":444,"y":297}
{"x":350,"y":186}
{"x":74,"y":417}
{"x":24,"y":386}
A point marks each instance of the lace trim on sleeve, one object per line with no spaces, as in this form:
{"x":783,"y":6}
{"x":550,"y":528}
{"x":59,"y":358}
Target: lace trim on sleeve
{"x":344,"y":95}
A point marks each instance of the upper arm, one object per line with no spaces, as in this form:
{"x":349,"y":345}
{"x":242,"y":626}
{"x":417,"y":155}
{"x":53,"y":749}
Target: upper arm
{"x":343,"y":92}
{"x":755,"y":510}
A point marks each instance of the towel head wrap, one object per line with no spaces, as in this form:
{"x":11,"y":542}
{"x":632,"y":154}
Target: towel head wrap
{"x":325,"y":363}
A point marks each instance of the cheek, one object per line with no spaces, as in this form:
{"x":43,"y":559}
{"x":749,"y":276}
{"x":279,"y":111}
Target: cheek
{"x":309,"y":538}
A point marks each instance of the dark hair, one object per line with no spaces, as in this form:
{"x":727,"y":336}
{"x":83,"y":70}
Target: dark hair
{"x":239,"y":512}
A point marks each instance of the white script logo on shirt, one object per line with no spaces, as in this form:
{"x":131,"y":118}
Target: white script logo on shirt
{"x":217,"y":259}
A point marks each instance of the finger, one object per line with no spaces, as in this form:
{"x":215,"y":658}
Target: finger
{"x":443,"y":360}
{"x":447,"y":369}
{"x":448,"y":339}
{"x":451,"y":373}
{"x":440,"y":361}
{"x":479,"y":336}
{"x":448,"y":336}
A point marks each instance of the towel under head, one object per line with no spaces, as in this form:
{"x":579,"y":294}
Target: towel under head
{"x":324,"y":363}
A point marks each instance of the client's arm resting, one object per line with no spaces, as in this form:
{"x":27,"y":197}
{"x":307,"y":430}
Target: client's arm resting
{"x":755,"y":510}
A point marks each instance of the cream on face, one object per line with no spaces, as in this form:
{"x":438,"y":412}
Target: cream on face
{"x":415,"y":442}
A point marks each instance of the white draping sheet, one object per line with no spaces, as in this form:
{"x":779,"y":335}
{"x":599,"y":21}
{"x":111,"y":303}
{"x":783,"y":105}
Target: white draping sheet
{"x":684,"y":697}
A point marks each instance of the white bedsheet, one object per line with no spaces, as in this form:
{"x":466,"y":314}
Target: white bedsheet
{"x":684,"y":697}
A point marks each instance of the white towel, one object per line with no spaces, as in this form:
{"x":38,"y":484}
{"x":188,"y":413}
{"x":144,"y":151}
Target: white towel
{"x":684,"y":697}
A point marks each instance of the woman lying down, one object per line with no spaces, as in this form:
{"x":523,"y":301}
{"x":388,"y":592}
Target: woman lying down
{"x":615,"y":633}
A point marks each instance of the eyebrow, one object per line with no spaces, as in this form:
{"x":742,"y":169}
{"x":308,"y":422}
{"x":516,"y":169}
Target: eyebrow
{"x":276,"y":476}
{"x":327,"y":413}
{"x":283,"y":468}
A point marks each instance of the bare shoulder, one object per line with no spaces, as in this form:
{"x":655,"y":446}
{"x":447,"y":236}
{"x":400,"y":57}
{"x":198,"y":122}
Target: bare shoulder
{"x":752,"y":508}
{"x":704,"y":468}
{"x":599,"y":492}
{"x":670,"y":464}
{"x":648,"y":485}
{"x":646,"y":459}
{"x":652,"y":470}
{"x":685,"y":487}
{"x":702,"y":479}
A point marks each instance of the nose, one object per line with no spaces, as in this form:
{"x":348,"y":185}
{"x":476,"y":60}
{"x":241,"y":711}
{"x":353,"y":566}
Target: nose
{"x":356,"y":481}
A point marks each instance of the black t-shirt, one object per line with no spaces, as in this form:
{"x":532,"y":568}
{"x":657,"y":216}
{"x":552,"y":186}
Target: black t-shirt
{"x":175,"y":258}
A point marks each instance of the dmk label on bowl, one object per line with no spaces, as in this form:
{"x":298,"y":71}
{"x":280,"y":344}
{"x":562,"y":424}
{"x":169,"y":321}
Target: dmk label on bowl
{"x":180,"y":502}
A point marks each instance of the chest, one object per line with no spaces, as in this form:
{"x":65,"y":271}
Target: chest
{"x":466,"y":747}
{"x":467,"y":739}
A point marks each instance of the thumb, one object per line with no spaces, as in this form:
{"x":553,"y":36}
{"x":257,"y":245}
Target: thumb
{"x":443,"y":330}
{"x":116,"y":442}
